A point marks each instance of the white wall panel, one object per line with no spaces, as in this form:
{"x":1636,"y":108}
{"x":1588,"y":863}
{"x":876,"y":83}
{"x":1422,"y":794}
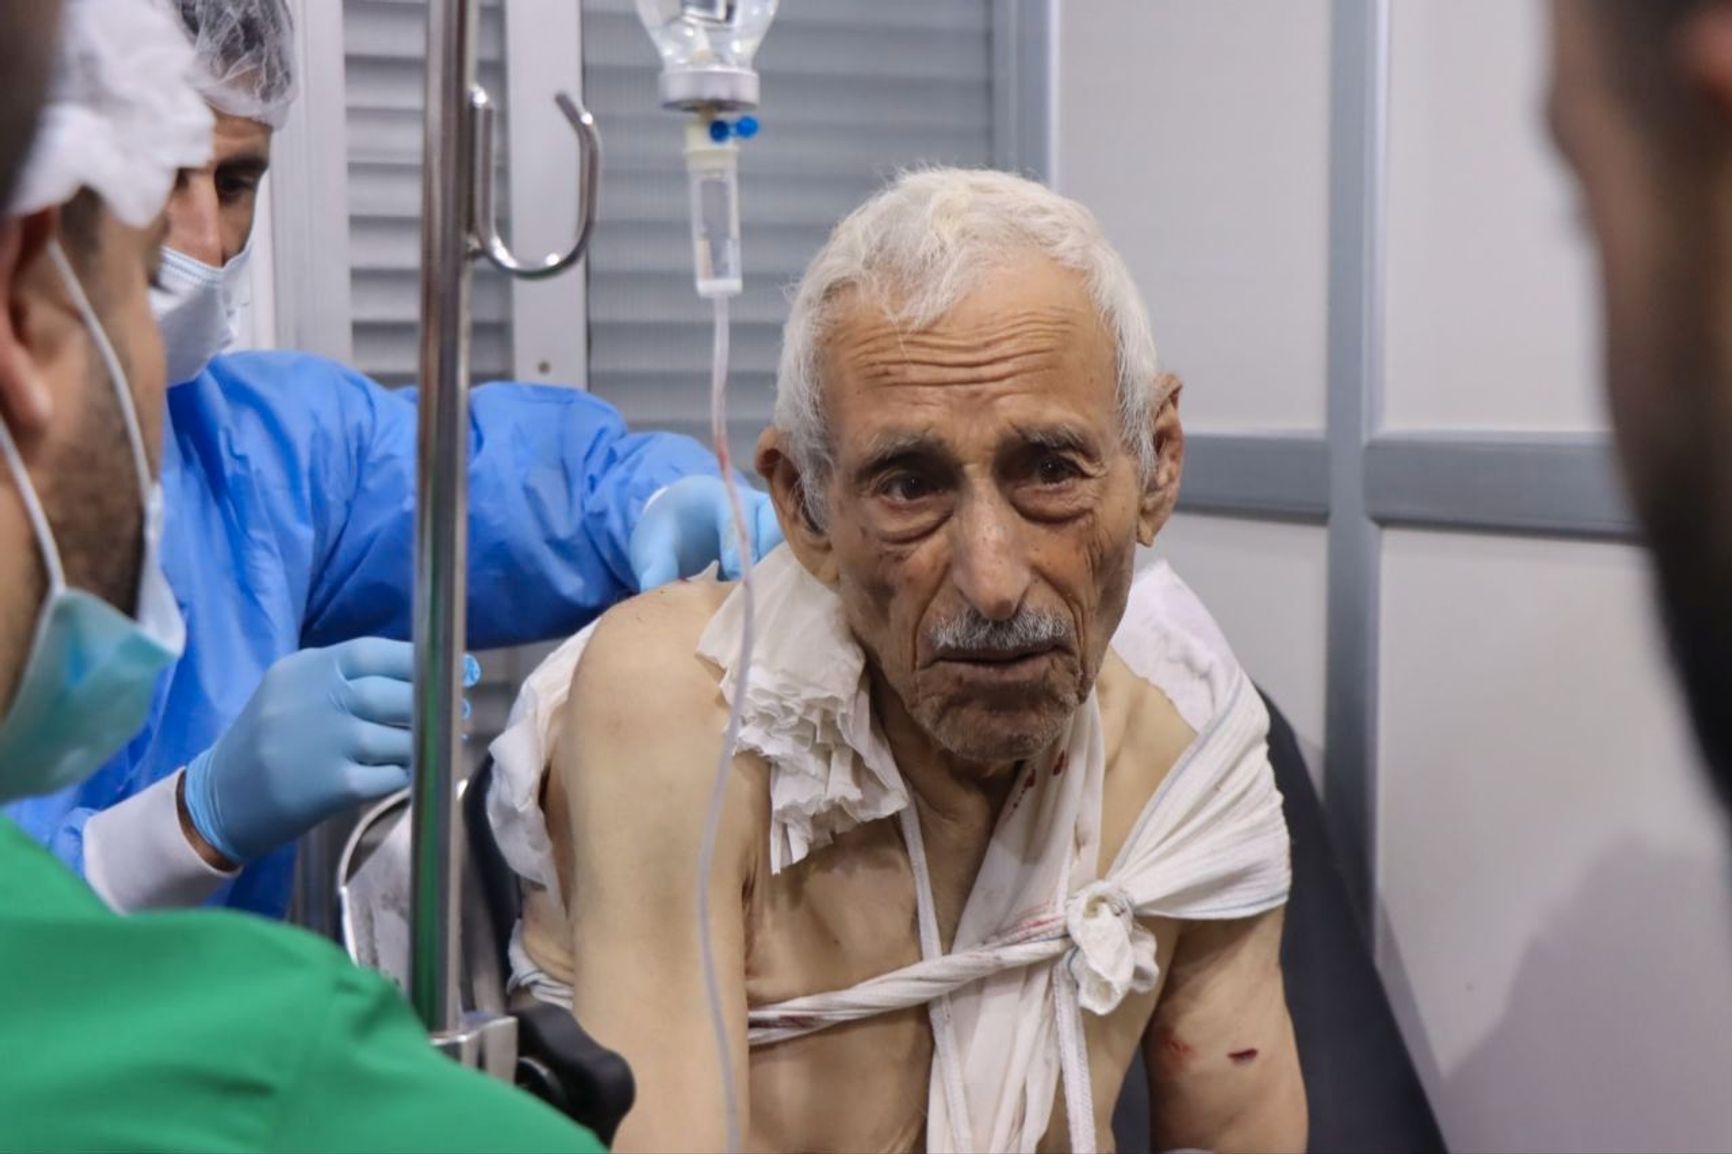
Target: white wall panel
{"x":1490,"y":307}
{"x":1198,"y":133}
{"x":1265,"y":584}
{"x":1556,"y":918}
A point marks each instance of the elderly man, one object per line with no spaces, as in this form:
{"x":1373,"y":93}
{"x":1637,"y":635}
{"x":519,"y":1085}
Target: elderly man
{"x":1001,"y":813}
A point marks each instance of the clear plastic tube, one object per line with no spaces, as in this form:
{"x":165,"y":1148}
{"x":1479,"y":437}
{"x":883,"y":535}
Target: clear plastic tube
{"x":731,"y":738}
{"x":713,"y":179}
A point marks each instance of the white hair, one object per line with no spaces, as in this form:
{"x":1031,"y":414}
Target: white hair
{"x":922,"y":245}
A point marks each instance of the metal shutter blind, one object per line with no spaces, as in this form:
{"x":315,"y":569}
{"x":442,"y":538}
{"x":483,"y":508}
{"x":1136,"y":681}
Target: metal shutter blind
{"x":384,"y":46}
{"x":853,"y":91}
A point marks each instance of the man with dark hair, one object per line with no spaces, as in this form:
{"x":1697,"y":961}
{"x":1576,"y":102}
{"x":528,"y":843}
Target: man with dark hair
{"x":1641,"y":106}
{"x":26,"y":46}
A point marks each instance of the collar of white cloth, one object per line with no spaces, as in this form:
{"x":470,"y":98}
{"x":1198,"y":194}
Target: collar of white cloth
{"x":807,"y":711}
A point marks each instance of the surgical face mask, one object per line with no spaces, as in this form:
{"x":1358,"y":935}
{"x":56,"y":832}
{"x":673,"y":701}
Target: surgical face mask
{"x":197,"y":307}
{"x":87,"y":684}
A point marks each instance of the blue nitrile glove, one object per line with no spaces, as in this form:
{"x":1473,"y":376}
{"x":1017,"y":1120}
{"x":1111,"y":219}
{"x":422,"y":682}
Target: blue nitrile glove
{"x":687,"y":526}
{"x":326,"y":729}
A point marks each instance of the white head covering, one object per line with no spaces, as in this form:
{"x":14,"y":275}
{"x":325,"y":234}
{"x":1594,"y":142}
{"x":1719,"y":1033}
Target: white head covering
{"x":122,"y":116}
{"x":246,"y":55}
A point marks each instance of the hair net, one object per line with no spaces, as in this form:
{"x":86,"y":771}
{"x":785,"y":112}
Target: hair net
{"x":246,"y":55}
{"x":121,"y":116}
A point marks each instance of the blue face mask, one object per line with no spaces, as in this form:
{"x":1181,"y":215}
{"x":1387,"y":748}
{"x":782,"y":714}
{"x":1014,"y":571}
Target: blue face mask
{"x":87,"y":686}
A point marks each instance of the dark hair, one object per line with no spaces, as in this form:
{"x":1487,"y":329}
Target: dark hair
{"x":27,"y":29}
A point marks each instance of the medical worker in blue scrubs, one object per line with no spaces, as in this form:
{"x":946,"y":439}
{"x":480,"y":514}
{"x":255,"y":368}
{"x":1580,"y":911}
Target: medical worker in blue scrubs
{"x":289,"y":482}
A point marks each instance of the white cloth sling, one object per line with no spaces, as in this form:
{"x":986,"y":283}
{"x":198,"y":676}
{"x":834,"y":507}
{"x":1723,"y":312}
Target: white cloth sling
{"x":1043,"y":935}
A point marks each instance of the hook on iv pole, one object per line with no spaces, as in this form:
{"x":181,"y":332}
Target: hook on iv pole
{"x":485,"y":238}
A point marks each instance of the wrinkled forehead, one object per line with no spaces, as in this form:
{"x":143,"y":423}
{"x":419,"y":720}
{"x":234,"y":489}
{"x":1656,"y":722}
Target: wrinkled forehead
{"x":238,"y":138}
{"x":1026,"y":345}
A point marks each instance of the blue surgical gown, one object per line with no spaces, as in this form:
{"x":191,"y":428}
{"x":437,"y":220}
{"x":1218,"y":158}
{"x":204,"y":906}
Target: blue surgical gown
{"x":290,"y":484}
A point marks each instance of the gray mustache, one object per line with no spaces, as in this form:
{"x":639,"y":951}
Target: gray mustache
{"x":1028,"y":629}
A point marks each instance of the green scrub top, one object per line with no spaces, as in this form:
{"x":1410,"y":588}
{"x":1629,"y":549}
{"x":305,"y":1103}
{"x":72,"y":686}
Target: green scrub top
{"x":202,"y":1030}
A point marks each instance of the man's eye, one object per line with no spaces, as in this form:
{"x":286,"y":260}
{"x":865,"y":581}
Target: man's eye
{"x":1055,"y":471}
{"x":907,"y":487}
{"x":230,"y":188}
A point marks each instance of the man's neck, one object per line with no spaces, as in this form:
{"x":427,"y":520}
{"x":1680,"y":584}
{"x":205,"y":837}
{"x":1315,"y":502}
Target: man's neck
{"x":958,"y":801}
{"x":951,"y":787}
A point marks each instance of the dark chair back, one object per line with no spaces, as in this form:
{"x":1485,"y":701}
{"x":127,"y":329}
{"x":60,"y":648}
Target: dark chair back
{"x":1364,"y":1091}
{"x":498,"y":885}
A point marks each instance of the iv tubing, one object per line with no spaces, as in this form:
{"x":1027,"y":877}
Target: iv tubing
{"x":724,"y":764}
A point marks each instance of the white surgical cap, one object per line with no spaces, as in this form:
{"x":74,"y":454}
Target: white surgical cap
{"x":121,"y":117}
{"x":246,"y":55}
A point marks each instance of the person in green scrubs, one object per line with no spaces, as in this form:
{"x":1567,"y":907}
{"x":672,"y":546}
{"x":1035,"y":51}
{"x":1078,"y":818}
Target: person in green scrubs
{"x":188,"y":1031}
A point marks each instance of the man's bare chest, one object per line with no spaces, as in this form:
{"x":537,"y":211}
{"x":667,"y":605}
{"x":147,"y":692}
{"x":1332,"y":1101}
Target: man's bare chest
{"x":845,"y":914}
{"x":848,"y":914}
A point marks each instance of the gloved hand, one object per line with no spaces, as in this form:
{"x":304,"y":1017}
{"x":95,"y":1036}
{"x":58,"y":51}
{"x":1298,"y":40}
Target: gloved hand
{"x":327,"y":729}
{"x":688,"y":525}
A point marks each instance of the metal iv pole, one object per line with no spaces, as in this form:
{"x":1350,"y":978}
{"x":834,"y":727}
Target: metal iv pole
{"x":457,"y":225}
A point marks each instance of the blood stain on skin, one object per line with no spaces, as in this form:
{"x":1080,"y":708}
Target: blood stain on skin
{"x":1174,"y":1048}
{"x":1242,"y":1057}
{"x":1058,"y":766}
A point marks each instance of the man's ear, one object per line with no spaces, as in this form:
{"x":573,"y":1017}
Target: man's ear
{"x":26,"y":402}
{"x":810,"y":543}
{"x":1705,"y":46}
{"x":1161,"y":490}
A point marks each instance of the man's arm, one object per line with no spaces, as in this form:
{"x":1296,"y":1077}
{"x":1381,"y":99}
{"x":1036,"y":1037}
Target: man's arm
{"x":555,"y":486}
{"x":1223,"y":1068}
{"x":626,"y":806}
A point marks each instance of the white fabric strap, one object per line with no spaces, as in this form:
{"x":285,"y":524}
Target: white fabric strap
{"x":136,"y":856}
{"x":948,"y":1069}
{"x":1073,"y":1058}
{"x":914,"y":985}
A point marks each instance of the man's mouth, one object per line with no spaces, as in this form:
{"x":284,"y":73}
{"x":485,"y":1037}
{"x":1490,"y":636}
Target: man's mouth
{"x":1008,"y":664}
{"x":996,"y":656}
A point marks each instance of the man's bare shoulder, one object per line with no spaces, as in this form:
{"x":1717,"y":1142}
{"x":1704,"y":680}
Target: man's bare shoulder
{"x":1144,"y":736}
{"x":643,"y":726}
{"x":642,"y":664}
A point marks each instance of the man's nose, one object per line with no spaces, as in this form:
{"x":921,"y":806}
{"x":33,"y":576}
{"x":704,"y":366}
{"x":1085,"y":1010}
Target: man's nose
{"x":990,"y":558}
{"x":194,"y":222}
